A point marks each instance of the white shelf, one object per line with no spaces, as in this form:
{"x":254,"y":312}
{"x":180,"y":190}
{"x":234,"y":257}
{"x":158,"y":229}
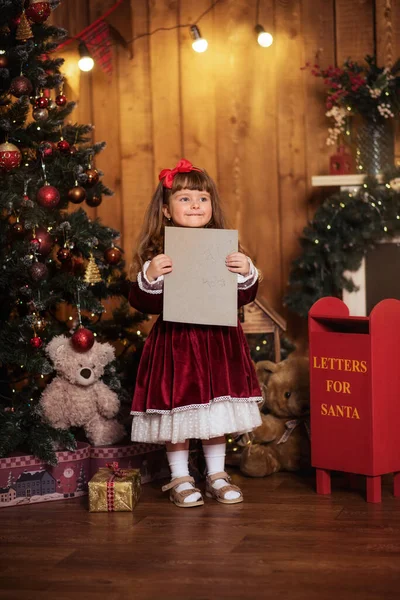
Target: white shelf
{"x":338,"y":180}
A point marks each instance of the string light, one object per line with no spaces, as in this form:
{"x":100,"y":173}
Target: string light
{"x":264,"y":38}
{"x":199,"y":44}
{"x":86,"y":62}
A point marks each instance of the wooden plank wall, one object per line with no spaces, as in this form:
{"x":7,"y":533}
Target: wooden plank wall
{"x":249,"y":115}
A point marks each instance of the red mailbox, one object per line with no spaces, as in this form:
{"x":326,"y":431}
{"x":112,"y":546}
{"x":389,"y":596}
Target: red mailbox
{"x":355,"y":393}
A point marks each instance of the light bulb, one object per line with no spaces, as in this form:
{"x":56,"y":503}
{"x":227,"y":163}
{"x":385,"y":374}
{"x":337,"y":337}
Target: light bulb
{"x":264,"y":38}
{"x":199,"y":44}
{"x":86,"y":63}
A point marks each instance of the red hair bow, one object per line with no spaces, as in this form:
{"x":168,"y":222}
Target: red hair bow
{"x":183,"y":166}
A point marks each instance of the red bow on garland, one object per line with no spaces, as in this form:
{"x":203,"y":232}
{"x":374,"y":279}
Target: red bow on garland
{"x":183,"y":166}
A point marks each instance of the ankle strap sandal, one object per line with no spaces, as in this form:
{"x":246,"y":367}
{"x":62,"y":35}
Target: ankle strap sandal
{"x":178,"y":498}
{"x":219,"y":495}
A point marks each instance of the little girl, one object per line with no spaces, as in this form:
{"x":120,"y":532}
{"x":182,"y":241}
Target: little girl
{"x":194,"y":381}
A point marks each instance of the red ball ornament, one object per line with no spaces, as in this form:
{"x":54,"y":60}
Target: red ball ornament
{"x":45,"y":241}
{"x":10,"y":156}
{"x":61,"y":100}
{"x":14,"y":22}
{"x":77,"y":194}
{"x":40,"y":114}
{"x":41,"y":102}
{"x":113,"y":255}
{"x":48,"y":196}
{"x":38,"y":271}
{"x":21,"y":86}
{"x":82,"y":340}
{"x":92,"y":177}
{"x":63,"y":146}
{"x":36,"y":342}
{"x":94,"y":201}
{"x":64,"y":255}
{"x":38,"y":11}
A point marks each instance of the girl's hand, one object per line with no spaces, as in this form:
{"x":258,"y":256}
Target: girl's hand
{"x":237,"y":262}
{"x":160,"y":265}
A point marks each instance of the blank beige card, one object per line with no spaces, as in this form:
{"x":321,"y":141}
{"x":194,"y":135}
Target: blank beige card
{"x":200,"y":290}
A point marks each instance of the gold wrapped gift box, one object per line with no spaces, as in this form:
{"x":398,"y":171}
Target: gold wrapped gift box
{"x":114,"y":490}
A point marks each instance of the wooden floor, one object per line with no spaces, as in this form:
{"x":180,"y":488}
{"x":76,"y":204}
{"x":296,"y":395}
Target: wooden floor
{"x":283,"y":542}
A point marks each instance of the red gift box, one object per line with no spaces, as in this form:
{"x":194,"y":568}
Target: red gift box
{"x":354,"y":393}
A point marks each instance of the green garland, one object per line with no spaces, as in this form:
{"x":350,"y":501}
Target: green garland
{"x":344,"y":228}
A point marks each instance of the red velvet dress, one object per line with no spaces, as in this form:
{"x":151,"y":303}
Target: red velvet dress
{"x":194,"y":381}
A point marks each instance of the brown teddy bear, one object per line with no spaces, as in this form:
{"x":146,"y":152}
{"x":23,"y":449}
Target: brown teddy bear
{"x":281,"y":442}
{"x":77,"y":397}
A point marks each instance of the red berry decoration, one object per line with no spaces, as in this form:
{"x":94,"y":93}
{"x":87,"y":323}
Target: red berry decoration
{"x":38,"y":11}
{"x":42,"y":241}
{"x":10,"y":156}
{"x":82,"y":340}
{"x":94,"y":201}
{"x":20,"y":86}
{"x":63,"y":255}
{"x":92,"y":177}
{"x":48,"y":196}
{"x":61,"y":100}
{"x":41,"y":102}
{"x":63,"y":146}
{"x":113,"y":255}
{"x":77,"y":194}
{"x":36,"y":342}
{"x":38,"y":271}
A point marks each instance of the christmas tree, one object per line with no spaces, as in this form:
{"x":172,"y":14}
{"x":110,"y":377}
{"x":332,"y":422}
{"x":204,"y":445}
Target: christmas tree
{"x":57,"y":265}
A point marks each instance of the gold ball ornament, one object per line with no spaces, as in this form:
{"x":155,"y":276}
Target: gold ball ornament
{"x":77,"y":194}
{"x":92,"y":177}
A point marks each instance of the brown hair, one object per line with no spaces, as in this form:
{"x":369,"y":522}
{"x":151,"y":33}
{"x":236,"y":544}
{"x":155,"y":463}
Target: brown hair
{"x":151,"y":238}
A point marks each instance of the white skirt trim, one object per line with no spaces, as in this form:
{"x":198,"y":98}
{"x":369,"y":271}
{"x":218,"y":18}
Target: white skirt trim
{"x":213,"y":420}
{"x":195,"y":406}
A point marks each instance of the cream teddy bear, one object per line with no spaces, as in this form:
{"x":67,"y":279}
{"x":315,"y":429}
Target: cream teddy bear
{"x":77,"y":397}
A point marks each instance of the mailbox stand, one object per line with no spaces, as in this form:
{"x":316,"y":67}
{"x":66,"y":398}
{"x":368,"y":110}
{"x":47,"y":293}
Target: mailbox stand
{"x":355,"y":393}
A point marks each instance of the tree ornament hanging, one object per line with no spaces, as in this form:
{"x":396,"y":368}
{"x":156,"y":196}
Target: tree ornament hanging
{"x":113,"y":255}
{"x":63,"y":146}
{"x":24,"y":31}
{"x":64,"y":254}
{"x":48,"y":196}
{"x":41,"y":102}
{"x":77,"y":194}
{"x":42,"y":241}
{"x":38,"y":11}
{"x":92,"y":174}
{"x":94,"y":201}
{"x":61,"y":100}
{"x":18,"y":229}
{"x":82,"y":340}
{"x":38,"y":271}
{"x":40,"y":114}
{"x":21,"y":86}
{"x":47,"y":149}
{"x":92,"y":177}
{"x":10,"y":156}
{"x":36,"y":342}
{"x":92,"y":274}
